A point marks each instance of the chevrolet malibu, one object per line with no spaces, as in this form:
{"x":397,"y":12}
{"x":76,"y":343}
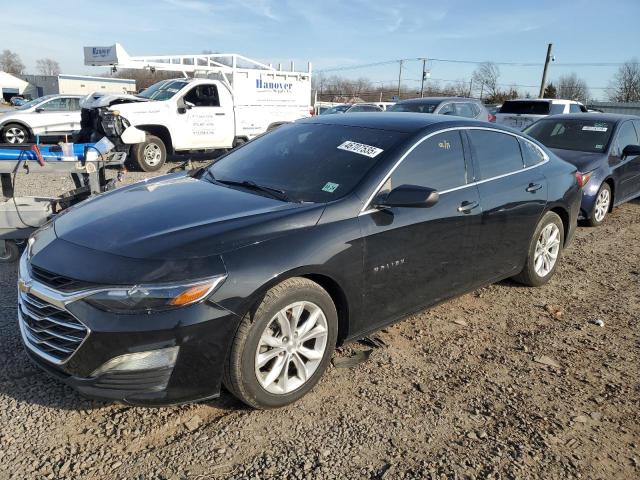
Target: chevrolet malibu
{"x":249,"y":272}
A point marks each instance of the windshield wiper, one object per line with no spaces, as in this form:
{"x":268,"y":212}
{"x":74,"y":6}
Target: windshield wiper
{"x":250,"y":184}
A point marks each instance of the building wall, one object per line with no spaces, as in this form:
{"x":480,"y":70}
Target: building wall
{"x":40,"y":85}
{"x":616,"y":107}
{"x":80,"y":85}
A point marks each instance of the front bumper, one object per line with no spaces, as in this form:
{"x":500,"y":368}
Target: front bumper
{"x":202,"y":333}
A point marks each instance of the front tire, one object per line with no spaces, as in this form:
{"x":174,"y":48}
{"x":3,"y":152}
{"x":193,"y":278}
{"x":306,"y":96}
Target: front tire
{"x":150,"y":155}
{"x":601,"y":206}
{"x":10,"y":253}
{"x":545,"y":249}
{"x":280,"y":352}
{"x":15,"y":134}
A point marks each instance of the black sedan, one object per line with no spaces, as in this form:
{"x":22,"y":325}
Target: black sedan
{"x":606,"y":150}
{"x":249,"y":272}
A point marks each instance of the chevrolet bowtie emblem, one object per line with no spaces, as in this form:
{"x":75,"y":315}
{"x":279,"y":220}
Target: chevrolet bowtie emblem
{"x":24,"y":287}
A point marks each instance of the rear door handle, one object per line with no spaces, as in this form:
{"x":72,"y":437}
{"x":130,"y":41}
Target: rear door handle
{"x":466,"y":207}
{"x":533,"y":187}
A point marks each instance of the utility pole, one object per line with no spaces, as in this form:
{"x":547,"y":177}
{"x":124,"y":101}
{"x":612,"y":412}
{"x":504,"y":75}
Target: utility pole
{"x":544,"y":72}
{"x":424,"y":74}
{"x":470,"y":87}
{"x":399,"y":79}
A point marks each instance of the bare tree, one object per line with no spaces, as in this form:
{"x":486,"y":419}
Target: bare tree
{"x":47,"y":66}
{"x":486,"y":78}
{"x":571,"y":87}
{"x":626,"y":83}
{"x":10,"y":62}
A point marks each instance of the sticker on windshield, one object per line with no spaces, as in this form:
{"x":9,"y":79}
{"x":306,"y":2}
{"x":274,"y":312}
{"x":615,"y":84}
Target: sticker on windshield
{"x":330,"y":187}
{"x":599,"y":146}
{"x":360,"y":148}
{"x":594,"y":128}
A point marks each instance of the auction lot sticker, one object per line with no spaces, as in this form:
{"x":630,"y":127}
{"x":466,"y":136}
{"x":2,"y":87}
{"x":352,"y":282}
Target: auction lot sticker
{"x":594,"y":128}
{"x":360,"y":148}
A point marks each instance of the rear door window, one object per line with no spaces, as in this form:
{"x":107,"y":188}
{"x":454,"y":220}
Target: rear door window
{"x":496,"y":153}
{"x":447,"y":109}
{"x":525,"y":107}
{"x":437,"y":163}
{"x":574,"y":108}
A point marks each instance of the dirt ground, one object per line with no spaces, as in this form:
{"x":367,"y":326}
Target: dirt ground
{"x":505,"y":382}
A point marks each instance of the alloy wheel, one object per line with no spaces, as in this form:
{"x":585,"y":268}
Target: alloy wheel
{"x":547,"y":249}
{"x":602,"y":205}
{"x":15,"y":135}
{"x":291,"y":348}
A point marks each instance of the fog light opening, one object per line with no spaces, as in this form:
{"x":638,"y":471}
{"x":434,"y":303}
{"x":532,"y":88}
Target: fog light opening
{"x":149,"y":360}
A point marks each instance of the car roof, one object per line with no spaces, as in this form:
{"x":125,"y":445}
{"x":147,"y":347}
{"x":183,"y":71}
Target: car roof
{"x":406,"y":122}
{"x":548,"y":100}
{"x":435,"y":99}
{"x":605,"y":117}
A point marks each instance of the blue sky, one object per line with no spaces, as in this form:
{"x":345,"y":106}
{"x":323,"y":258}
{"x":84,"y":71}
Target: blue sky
{"x":338,"y":33}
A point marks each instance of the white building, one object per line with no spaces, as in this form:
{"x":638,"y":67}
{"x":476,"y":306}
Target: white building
{"x":11,"y":86}
{"x":40,"y":85}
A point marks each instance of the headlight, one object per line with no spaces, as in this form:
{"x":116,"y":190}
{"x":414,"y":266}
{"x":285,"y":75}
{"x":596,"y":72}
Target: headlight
{"x":153,"y":298}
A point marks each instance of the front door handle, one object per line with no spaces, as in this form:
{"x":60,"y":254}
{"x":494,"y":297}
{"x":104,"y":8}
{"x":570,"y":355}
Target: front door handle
{"x":533,"y":187}
{"x":220,"y":114}
{"x":466,"y":207}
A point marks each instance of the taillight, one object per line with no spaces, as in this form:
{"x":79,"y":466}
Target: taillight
{"x":492,"y":117}
{"x":583,"y":178}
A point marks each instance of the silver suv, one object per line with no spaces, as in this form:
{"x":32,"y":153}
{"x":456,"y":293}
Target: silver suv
{"x":459,"y":106}
{"x":522,"y":113}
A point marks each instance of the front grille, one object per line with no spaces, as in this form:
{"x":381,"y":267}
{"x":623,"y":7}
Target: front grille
{"x":58,"y":282}
{"x":50,"y":330}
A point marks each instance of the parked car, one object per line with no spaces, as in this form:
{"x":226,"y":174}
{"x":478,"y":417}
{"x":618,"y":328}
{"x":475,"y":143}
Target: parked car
{"x":17,"y":101}
{"x":605,"y":148}
{"x":461,"y":107}
{"x":51,"y":115}
{"x":352,"y":108}
{"x":520,"y":114}
{"x":250,"y":271}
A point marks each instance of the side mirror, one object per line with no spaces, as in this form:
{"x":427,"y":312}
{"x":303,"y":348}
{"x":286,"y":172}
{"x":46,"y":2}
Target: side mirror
{"x":409,"y":196}
{"x":631,"y":151}
{"x":39,"y":110}
{"x":184,"y":105}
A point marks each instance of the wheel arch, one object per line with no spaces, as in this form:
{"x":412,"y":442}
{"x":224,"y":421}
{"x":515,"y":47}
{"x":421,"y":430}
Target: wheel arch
{"x":161,"y":132}
{"x":612,"y":185}
{"x":17,"y":122}
{"x":326,"y":281}
{"x":563,"y":213}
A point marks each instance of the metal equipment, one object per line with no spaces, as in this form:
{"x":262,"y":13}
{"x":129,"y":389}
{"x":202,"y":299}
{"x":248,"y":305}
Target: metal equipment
{"x":20,"y":216}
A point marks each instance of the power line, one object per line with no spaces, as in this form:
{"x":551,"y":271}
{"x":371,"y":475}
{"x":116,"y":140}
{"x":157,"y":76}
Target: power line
{"x":469,"y":62}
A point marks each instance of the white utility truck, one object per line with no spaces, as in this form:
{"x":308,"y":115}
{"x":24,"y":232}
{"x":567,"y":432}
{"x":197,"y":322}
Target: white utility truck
{"x":229,"y":100}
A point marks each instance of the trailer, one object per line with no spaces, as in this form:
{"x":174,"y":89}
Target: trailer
{"x":222,"y":101}
{"x":20,"y":216}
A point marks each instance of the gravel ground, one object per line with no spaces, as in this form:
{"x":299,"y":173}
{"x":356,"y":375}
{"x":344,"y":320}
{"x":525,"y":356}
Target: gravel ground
{"x":505,"y":382}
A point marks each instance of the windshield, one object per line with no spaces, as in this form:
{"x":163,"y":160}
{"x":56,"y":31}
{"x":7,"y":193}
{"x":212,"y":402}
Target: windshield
{"x":336,"y":109}
{"x":525,"y":107}
{"x":413,"y":107}
{"x":581,"y":135}
{"x":34,"y":102}
{"x":308,"y":162}
{"x":163,"y":90}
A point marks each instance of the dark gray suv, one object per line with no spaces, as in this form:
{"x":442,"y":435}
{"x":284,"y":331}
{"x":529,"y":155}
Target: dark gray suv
{"x":459,"y":106}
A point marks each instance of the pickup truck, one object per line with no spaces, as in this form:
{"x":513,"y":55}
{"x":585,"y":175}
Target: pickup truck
{"x":187,"y":114}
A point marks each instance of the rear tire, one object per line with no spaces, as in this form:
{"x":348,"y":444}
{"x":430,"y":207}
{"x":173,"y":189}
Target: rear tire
{"x":271,"y":364}
{"x":545,"y":250}
{"x":151,"y":155}
{"x":15,"y":134}
{"x":601,"y":207}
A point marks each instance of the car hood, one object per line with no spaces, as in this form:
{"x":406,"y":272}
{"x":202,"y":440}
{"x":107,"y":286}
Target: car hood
{"x":103,"y":99}
{"x":584,"y":161}
{"x":179,"y":217}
